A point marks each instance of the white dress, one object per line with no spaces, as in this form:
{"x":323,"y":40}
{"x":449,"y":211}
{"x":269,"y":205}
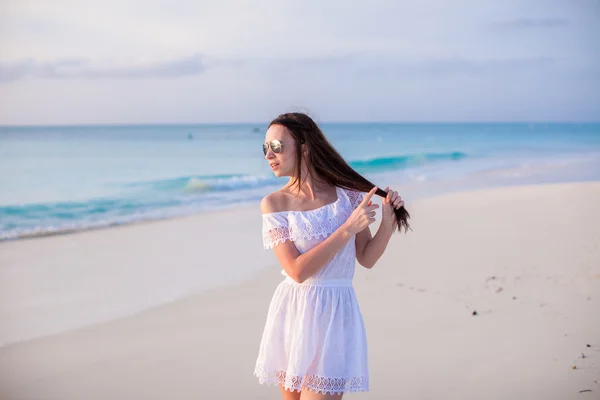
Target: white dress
{"x":314,"y":336}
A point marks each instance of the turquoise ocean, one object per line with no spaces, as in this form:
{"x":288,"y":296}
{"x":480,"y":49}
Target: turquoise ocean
{"x":67,"y":178}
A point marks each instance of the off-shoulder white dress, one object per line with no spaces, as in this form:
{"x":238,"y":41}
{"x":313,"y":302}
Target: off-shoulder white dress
{"x":314,"y":336}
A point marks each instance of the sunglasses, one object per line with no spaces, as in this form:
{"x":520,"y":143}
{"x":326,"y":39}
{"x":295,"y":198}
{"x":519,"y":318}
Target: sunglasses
{"x":275,"y":145}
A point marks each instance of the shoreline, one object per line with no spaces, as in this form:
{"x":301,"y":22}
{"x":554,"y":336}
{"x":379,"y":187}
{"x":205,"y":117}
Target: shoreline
{"x":474,"y":181}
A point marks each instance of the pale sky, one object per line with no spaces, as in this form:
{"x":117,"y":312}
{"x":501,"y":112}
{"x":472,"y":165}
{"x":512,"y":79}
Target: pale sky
{"x":193,"y":61}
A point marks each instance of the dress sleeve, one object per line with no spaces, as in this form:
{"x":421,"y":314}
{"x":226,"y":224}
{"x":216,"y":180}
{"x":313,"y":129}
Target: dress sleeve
{"x":275,"y":230}
{"x":355,"y":197}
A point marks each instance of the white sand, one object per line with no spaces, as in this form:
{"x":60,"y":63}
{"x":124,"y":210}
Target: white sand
{"x":527,"y":259}
{"x":58,"y":283}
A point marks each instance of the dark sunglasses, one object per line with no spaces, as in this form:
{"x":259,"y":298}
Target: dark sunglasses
{"x":275,"y":146}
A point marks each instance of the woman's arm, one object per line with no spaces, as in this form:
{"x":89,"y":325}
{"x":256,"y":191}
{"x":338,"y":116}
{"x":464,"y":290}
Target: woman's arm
{"x":368,"y":249}
{"x":300,"y":267}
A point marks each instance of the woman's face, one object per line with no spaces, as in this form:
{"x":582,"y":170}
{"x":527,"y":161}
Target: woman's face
{"x":284,"y":162}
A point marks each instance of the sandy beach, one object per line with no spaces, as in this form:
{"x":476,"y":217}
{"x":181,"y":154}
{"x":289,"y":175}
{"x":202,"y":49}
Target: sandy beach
{"x":494,"y":295}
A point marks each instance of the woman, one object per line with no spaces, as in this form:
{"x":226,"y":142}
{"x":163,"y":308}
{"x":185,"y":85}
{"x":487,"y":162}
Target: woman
{"x":314,"y":341}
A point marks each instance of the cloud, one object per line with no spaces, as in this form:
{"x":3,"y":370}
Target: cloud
{"x":529,"y":23}
{"x":71,"y":68}
{"x":452,"y":66}
{"x":373,"y":66}
{"x":354,"y":64}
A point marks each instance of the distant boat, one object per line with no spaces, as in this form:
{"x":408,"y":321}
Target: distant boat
{"x":190,"y":136}
{"x":256,"y":129}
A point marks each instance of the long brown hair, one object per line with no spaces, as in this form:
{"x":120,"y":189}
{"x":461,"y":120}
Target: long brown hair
{"x":325,"y":164}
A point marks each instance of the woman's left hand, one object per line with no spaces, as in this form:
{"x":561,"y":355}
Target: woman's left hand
{"x":389,"y":204}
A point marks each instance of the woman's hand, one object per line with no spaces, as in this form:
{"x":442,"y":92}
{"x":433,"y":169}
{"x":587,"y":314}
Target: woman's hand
{"x":389,"y":204}
{"x":363,"y":215}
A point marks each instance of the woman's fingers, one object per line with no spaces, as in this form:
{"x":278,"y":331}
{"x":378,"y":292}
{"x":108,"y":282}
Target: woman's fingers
{"x":368,"y":196}
{"x":393,"y":198}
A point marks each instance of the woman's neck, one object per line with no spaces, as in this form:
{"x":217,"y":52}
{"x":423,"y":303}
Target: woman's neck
{"x":310,"y":188}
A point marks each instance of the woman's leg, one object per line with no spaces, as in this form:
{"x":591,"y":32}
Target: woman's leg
{"x":310,"y":395}
{"x":287,"y":395}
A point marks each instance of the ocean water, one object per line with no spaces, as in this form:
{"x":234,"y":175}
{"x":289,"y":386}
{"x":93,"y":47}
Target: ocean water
{"x":62,"y":179}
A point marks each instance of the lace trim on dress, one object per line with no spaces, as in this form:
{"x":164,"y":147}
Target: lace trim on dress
{"x":315,"y":383}
{"x":319,"y":223}
{"x":275,"y":235}
{"x":355,"y":197}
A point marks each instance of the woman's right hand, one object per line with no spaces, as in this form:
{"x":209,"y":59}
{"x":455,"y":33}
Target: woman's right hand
{"x":363,"y":215}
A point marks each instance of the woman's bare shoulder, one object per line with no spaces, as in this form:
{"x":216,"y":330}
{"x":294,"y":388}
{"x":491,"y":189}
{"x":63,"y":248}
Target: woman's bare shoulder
{"x":277,"y":201}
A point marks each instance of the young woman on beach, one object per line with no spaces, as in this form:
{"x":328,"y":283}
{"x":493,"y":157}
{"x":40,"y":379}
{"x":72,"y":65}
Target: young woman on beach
{"x":314,"y":341}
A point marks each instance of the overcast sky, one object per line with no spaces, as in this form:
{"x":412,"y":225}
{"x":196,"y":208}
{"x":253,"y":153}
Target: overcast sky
{"x":158,"y":61}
